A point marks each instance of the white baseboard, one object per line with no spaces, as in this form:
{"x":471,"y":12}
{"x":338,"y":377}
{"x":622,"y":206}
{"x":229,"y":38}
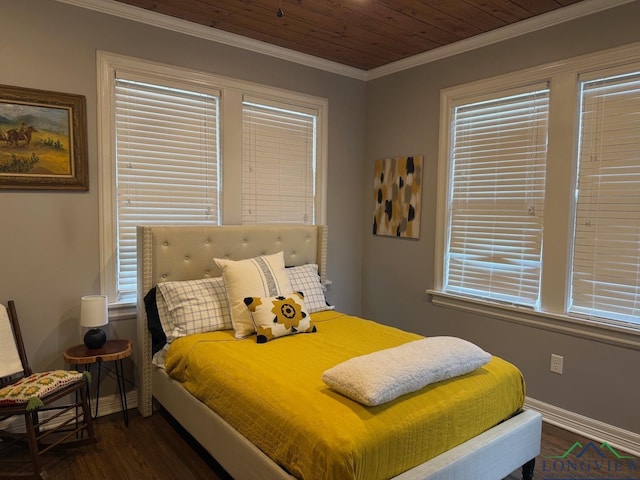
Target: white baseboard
{"x":602,"y":432}
{"x":108,"y":405}
{"x":111,"y":403}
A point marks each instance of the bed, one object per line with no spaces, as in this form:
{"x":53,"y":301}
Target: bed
{"x":179,"y":253}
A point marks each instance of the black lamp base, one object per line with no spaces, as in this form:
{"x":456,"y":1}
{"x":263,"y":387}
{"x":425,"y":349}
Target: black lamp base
{"x":95,"y":338}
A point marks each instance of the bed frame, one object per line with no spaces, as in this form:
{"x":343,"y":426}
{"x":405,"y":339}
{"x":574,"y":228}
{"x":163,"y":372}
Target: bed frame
{"x":169,"y":253}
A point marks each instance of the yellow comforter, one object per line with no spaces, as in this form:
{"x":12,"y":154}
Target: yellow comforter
{"x":273,"y":394}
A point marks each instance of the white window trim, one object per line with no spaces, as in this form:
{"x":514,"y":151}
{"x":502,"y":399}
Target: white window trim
{"x":563,"y":125}
{"x":231,"y":91}
{"x":583,"y":328}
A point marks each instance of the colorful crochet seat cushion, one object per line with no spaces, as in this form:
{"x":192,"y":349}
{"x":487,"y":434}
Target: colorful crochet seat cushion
{"x":32,"y":389}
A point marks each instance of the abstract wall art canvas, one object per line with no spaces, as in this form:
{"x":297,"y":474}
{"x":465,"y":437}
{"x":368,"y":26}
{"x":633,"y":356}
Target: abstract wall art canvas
{"x":397,"y":190}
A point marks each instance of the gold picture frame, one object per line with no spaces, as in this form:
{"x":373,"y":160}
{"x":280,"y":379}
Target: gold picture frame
{"x":43,"y":140}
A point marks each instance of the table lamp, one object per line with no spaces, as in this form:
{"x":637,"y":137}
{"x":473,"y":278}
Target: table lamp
{"x":94,"y":314}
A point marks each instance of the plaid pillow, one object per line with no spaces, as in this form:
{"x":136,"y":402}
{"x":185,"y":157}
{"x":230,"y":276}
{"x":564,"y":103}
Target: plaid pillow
{"x":193,"y":306}
{"x":305,"y":279}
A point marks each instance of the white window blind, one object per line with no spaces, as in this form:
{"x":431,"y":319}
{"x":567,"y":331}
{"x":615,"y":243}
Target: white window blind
{"x":606,"y":260}
{"x":278,"y":164}
{"x":496,"y":206}
{"x":166,"y":161}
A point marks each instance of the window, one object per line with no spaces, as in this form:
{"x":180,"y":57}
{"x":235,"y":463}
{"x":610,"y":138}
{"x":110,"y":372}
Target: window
{"x":179,"y":146}
{"x":166,"y":164}
{"x":606,"y":259}
{"x":539,"y":195}
{"x":498,"y":158}
{"x":278,"y":164}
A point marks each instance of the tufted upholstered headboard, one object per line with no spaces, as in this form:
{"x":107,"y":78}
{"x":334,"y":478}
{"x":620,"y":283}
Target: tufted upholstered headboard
{"x":170,"y":253}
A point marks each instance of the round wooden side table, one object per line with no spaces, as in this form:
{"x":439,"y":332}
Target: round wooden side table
{"x":112,"y":351}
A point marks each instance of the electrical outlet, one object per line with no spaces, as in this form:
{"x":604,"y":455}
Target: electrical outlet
{"x":557,"y":362}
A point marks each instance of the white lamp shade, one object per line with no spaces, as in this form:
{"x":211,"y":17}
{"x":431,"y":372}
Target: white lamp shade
{"x":93,"y":311}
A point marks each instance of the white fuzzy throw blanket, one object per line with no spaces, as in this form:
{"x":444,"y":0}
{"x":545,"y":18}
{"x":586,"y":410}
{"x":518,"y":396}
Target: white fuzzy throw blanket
{"x":10,"y":359}
{"x":381,"y":376}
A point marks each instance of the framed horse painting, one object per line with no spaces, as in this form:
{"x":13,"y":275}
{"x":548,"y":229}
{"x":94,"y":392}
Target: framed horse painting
{"x":43,"y":140}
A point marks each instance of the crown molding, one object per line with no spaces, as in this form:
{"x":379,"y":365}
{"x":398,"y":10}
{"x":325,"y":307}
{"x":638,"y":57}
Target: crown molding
{"x":549,"y":19}
{"x":555,"y":17}
{"x":156,"y":19}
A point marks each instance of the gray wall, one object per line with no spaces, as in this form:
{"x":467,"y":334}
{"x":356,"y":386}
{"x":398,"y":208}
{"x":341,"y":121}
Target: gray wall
{"x":49,"y":247}
{"x":600,"y":380}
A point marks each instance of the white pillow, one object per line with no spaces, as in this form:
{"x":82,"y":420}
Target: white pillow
{"x":11,"y":358}
{"x":193,"y":306}
{"x":381,"y":376}
{"x":305,"y":279}
{"x":263,"y":276}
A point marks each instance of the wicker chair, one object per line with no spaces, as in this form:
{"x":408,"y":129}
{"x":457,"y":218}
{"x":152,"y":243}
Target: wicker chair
{"x":52,"y":405}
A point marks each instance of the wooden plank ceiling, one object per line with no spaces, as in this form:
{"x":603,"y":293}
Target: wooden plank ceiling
{"x":359,"y":33}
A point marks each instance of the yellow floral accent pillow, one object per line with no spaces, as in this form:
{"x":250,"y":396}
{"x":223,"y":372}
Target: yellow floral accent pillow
{"x":32,"y":388}
{"x":278,"y":316}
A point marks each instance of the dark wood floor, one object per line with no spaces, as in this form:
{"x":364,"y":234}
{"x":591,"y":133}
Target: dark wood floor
{"x":156,"y":448}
